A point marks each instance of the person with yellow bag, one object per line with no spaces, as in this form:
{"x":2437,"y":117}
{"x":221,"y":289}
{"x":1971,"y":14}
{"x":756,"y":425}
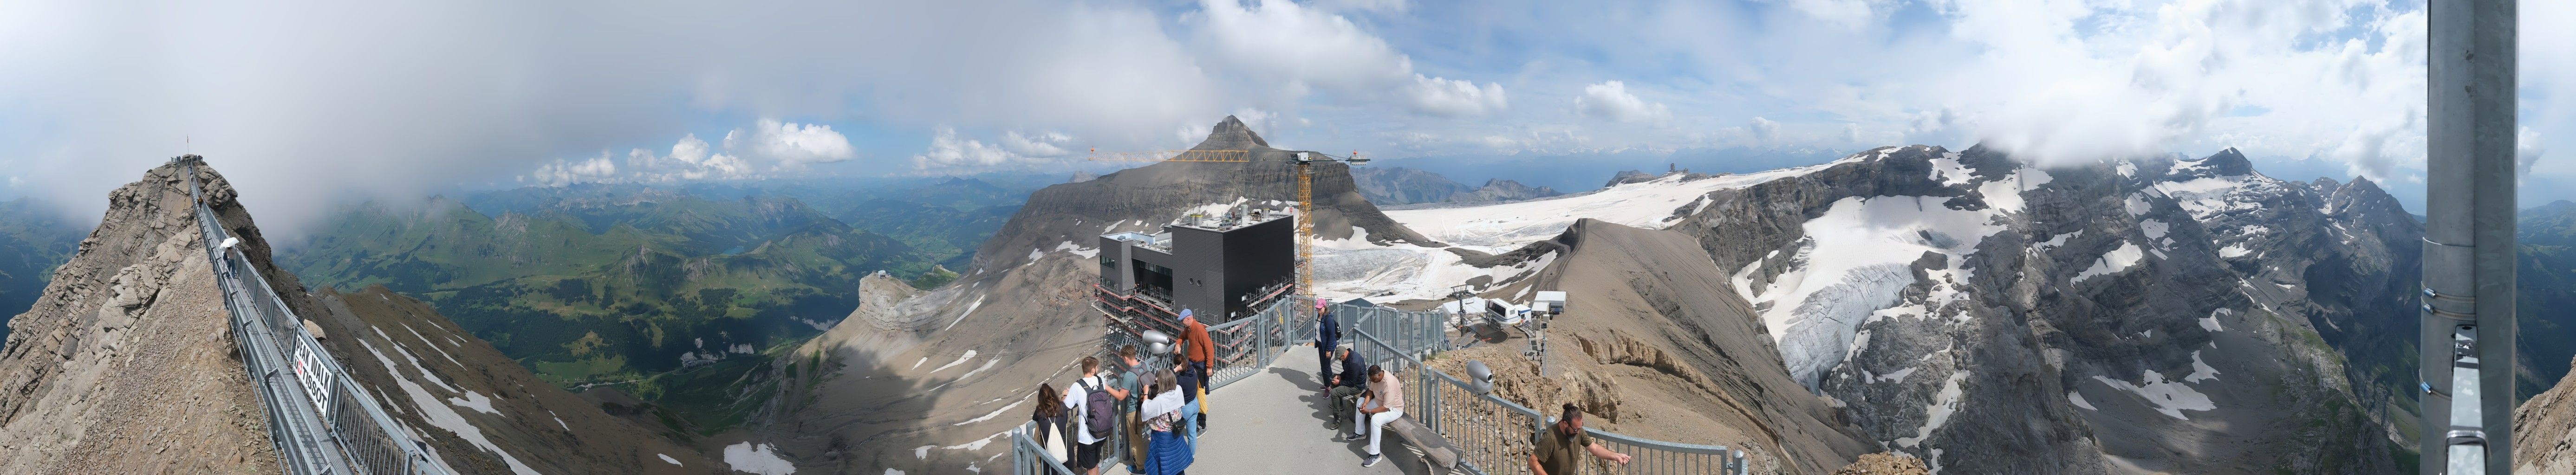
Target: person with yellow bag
{"x":1198,"y":350}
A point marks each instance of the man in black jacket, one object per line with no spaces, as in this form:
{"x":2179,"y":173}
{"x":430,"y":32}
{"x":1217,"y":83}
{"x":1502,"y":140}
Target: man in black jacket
{"x":1346,"y":386}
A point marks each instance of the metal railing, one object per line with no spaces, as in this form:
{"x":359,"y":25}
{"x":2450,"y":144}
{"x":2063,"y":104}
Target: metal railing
{"x":1246,"y":346}
{"x":1495,"y":435}
{"x":1029,"y":458}
{"x":1414,"y":333}
{"x":320,"y":420}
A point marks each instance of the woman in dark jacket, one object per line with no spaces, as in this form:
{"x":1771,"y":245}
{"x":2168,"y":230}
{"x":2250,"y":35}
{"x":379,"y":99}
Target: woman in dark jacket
{"x":1051,"y":418}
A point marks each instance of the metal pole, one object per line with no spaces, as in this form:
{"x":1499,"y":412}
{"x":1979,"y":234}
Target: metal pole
{"x":2467,"y":338}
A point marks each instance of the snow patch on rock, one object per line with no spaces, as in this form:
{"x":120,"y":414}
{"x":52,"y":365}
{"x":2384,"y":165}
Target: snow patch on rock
{"x":439,"y":415}
{"x":475,"y":401}
{"x":1943,"y":405}
{"x":1085,"y":252}
{"x":2169,"y":397}
{"x":961,"y":359}
{"x":2057,"y":240}
{"x":2233,"y":250}
{"x":2128,"y":255}
{"x":2199,"y":371}
{"x":2005,"y":194}
{"x":761,"y":459}
{"x":998,"y":413}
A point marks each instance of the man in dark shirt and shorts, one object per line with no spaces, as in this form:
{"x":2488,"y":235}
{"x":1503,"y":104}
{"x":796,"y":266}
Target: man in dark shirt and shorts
{"x":1560,"y":450}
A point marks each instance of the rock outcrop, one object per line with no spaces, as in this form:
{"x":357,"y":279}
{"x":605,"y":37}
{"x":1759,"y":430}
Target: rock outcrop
{"x":2544,"y":431}
{"x":2126,"y":315}
{"x":125,"y":364}
{"x":1145,"y":198}
{"x":1656,"y":345}
{"x":1885,"y":463}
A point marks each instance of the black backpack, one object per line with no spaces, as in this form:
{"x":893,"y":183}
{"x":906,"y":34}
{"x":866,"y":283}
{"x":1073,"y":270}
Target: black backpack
{"x":1099,"y":412}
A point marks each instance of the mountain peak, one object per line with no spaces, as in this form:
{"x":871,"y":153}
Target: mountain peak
{"x":2554,"y":208}
{"x":2228,"y":162}
{"x":1231,"y":134}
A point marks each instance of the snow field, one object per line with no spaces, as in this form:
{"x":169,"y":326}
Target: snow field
{"x":1854,"y":262}
{"x":761,"y":459}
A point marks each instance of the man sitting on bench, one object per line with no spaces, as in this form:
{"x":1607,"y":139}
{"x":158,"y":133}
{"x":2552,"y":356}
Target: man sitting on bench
{"x":1383,"y":403}
{"x":1345,"y":385}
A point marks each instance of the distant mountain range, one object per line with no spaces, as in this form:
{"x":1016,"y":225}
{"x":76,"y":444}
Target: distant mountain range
{"x":1389,"y":186}
{"x":34,"y":239}
{"x":1575,"y":172}
{"x":636,"y":283}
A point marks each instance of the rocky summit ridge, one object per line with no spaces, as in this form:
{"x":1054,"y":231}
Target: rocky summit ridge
{"x":127,"y":364}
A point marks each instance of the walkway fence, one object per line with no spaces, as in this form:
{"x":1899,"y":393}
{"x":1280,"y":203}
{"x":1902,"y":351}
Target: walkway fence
{"x":1494,"y":434}
{"x":1246,"y":346}
{"x":319,"y":419}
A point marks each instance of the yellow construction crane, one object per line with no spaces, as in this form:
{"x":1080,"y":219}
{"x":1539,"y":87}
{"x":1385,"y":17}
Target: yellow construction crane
{"x":1305,"y":192}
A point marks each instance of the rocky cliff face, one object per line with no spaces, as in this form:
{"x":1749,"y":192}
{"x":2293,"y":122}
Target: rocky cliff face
{"x":1655,"y":345}
{"x":125,"y":364}
{"x":2134,"y":315}
{"x":2544,"y":431}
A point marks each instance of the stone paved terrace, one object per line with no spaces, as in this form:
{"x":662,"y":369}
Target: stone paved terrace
{"x":1272,"y":423}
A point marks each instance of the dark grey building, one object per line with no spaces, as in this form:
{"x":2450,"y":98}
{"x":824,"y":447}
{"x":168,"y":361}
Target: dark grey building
{"x":1220,"y":268}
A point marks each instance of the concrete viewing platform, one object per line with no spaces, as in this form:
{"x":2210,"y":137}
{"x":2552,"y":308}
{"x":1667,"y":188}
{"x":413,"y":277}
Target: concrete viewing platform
{"x":1273,"y":423}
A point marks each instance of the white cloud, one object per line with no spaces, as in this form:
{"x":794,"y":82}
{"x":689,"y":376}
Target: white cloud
{"x":311,"y":104}
{"x":690,"y":150}
{"x":560,"y":172}
{"x":2076,"y":82}
{"x":1611,"y":100}
{"x":1851,"y":133}
{"x":791,"y":144}
{"x":1048,"y":144}
{"x":1373,"y":6}
{"x":947,"y":150}
{"x":2527,"y":150}
{"x":1297,"y":48}
{"x":1848,"y":13}
{"x":1294,"y":50}
{"x":770,"y":145}
{"x":1454,"y":97}
{"x":1764,"y":130}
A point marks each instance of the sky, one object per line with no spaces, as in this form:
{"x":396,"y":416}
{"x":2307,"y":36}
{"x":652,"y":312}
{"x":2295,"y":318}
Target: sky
{"x":307,"y":104}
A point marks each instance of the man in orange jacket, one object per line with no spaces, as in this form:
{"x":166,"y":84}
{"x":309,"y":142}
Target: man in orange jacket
{"x":1199,"y":349}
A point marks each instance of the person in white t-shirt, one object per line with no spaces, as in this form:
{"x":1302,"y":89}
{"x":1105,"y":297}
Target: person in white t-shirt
{"x":1077,"y":399}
